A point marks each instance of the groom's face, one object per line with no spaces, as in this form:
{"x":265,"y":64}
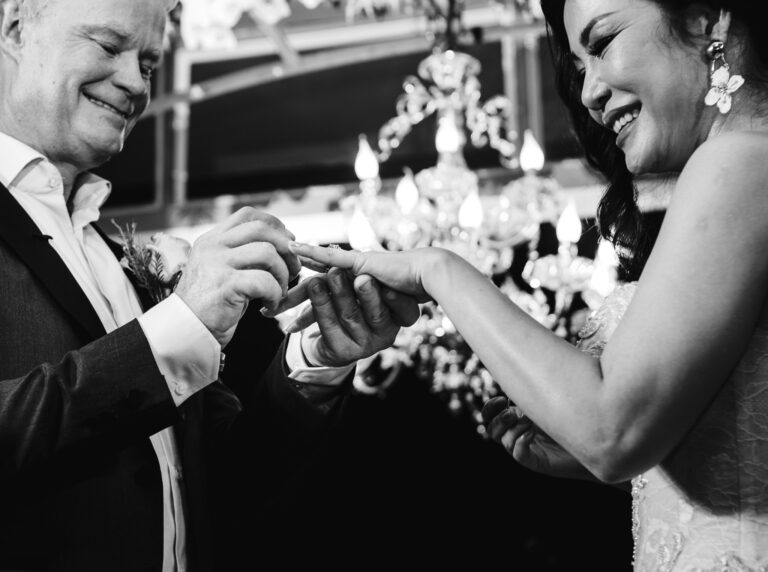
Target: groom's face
{"x":83,"y":75}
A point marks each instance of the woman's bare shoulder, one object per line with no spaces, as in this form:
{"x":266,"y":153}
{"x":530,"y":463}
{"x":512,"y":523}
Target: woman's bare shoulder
{"x":733,"y":147}
{"x":734,"y":160}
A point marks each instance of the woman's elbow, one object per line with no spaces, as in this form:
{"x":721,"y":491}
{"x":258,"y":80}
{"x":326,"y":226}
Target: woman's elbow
{"x":619,"y":459}
{"x":612,"y":474}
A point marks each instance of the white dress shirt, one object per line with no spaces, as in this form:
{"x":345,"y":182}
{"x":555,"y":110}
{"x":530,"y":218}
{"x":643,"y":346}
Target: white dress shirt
{"x":189,"y":363}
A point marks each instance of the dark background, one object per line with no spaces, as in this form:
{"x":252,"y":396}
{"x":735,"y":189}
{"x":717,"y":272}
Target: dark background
{"x":303,"y":131}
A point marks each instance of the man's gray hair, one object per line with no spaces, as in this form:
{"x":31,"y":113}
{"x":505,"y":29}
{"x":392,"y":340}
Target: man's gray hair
{"x":34,"y":8}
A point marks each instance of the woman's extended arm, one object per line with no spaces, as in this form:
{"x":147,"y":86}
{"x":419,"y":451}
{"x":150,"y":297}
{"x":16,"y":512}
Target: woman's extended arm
{"x":692,"y":316}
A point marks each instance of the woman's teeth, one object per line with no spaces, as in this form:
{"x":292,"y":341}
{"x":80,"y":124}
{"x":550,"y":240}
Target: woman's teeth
{"x":625,"y":120}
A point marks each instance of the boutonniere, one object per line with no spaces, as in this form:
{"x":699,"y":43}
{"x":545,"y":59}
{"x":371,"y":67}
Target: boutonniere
{"x":157,"y":265}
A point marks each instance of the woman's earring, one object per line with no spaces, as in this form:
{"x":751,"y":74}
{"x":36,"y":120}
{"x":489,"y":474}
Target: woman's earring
{"x":722,"y":83}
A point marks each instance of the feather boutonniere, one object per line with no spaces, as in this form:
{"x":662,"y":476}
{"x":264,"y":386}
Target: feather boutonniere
{"x":158,"y":264}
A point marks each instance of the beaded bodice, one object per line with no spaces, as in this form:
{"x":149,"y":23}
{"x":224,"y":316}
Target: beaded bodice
{"x":705,"y":507}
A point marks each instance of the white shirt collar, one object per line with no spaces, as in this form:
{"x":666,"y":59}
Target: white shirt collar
{"x":20,"y":164}
{"x":15,"y":158}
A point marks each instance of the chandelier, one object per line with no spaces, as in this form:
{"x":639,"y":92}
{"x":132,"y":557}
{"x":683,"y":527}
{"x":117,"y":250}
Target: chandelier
{"x":443,"y":206}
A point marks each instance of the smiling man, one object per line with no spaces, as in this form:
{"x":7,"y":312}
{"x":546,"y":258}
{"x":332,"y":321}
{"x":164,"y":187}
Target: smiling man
{"x":111,"y":411}
{"x":75,"y":86}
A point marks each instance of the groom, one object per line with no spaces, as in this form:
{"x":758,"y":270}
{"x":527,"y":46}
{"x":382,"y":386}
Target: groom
{"x":116,"y":434}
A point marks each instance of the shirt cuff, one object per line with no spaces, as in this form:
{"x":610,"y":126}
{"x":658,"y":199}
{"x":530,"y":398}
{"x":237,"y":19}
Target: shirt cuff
{"x":190,"y":362}
{"x":304,"y":373}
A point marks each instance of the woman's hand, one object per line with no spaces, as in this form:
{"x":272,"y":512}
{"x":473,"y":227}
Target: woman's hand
{"x":400,"y":271}
{"x":530,"y":446}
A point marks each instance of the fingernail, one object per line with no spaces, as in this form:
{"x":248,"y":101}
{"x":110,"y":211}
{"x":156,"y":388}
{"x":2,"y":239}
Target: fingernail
{"x":335,"y":276}
{"x":291,"y":328}
{"x":266,"y":312}
{"x":316,"y":286}
{"x":365,"y":285}
{"x":293,"y":244}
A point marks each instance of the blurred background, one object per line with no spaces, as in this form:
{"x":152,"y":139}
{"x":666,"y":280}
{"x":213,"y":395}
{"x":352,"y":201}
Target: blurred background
{"x":396,"y":124}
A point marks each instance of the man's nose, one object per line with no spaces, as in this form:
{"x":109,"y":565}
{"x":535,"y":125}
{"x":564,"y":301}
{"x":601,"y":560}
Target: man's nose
{"x":129,"y":76}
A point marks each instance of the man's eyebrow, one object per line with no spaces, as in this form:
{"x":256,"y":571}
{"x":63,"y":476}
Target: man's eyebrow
{"x":110,"y":29}
{"x":585,"y":33}
{"x":120,"y":35}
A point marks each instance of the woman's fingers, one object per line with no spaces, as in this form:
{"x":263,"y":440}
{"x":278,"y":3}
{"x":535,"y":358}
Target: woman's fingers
{"x":312,"y":265}
{"x":493,"y":407}
{"x":514,"y":438}
{"x":325,"y":256}
{"x":509,"y":419}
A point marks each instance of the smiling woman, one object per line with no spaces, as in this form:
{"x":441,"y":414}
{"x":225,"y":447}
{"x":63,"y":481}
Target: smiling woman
{"x":619,"y":217}
{"x":669,"y":387}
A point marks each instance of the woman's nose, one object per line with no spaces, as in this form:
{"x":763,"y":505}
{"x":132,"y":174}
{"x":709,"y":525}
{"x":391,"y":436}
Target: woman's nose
{"x":595,"y":93}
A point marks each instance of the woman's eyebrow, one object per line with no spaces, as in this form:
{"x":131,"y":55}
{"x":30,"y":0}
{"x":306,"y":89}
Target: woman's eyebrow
{"x":585,"y":33}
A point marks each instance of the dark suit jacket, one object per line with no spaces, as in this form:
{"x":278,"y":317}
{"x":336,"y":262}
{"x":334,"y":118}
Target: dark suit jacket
{"x":80,"y":487}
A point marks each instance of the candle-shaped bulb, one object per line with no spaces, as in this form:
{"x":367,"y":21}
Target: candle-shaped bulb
{"x":448,"y":138}
{"x":606,"y":255}
{"x":471,"y":212}
{"x":531,"y":154}
{"x":603,"y":279}
{"x":569,"y":224}
{"x":366,"y":164}
{"x":407,"y":193}
{"x":361,"y":235}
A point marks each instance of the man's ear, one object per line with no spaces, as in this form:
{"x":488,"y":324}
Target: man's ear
{"x":11,"y":24}
{"x":708,"y":23}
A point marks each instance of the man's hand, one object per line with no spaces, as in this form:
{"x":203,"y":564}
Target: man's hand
{"x":401,"y":306}
{"x":244,"y":258}
{"x":356,"y":320}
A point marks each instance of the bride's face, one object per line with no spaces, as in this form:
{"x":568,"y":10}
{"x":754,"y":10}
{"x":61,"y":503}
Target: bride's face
{"x":640,"y":80}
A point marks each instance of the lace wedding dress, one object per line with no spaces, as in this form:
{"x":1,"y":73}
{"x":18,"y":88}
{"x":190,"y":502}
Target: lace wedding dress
{"x":705,"y":508}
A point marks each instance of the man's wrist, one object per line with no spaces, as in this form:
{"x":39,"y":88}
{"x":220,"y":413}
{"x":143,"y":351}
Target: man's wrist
{"x":301,"y":370}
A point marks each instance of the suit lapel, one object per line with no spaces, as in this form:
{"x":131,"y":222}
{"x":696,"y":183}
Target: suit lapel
{"x":144,"y":298}
{"x":34,"y":249}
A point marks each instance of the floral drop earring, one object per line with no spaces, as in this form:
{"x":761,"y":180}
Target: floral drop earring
{"x":722,"y":83}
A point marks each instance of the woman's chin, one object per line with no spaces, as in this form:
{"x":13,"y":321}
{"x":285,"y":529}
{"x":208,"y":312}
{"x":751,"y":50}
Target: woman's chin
{"x":641,"y":161}
{"x":636,"y":167}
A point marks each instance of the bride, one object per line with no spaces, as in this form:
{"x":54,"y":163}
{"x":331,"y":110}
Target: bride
{"x":677,"y":398}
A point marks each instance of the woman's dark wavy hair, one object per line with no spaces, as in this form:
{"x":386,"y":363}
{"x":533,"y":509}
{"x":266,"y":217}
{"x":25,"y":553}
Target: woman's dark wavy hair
{"x":619,"y":218}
